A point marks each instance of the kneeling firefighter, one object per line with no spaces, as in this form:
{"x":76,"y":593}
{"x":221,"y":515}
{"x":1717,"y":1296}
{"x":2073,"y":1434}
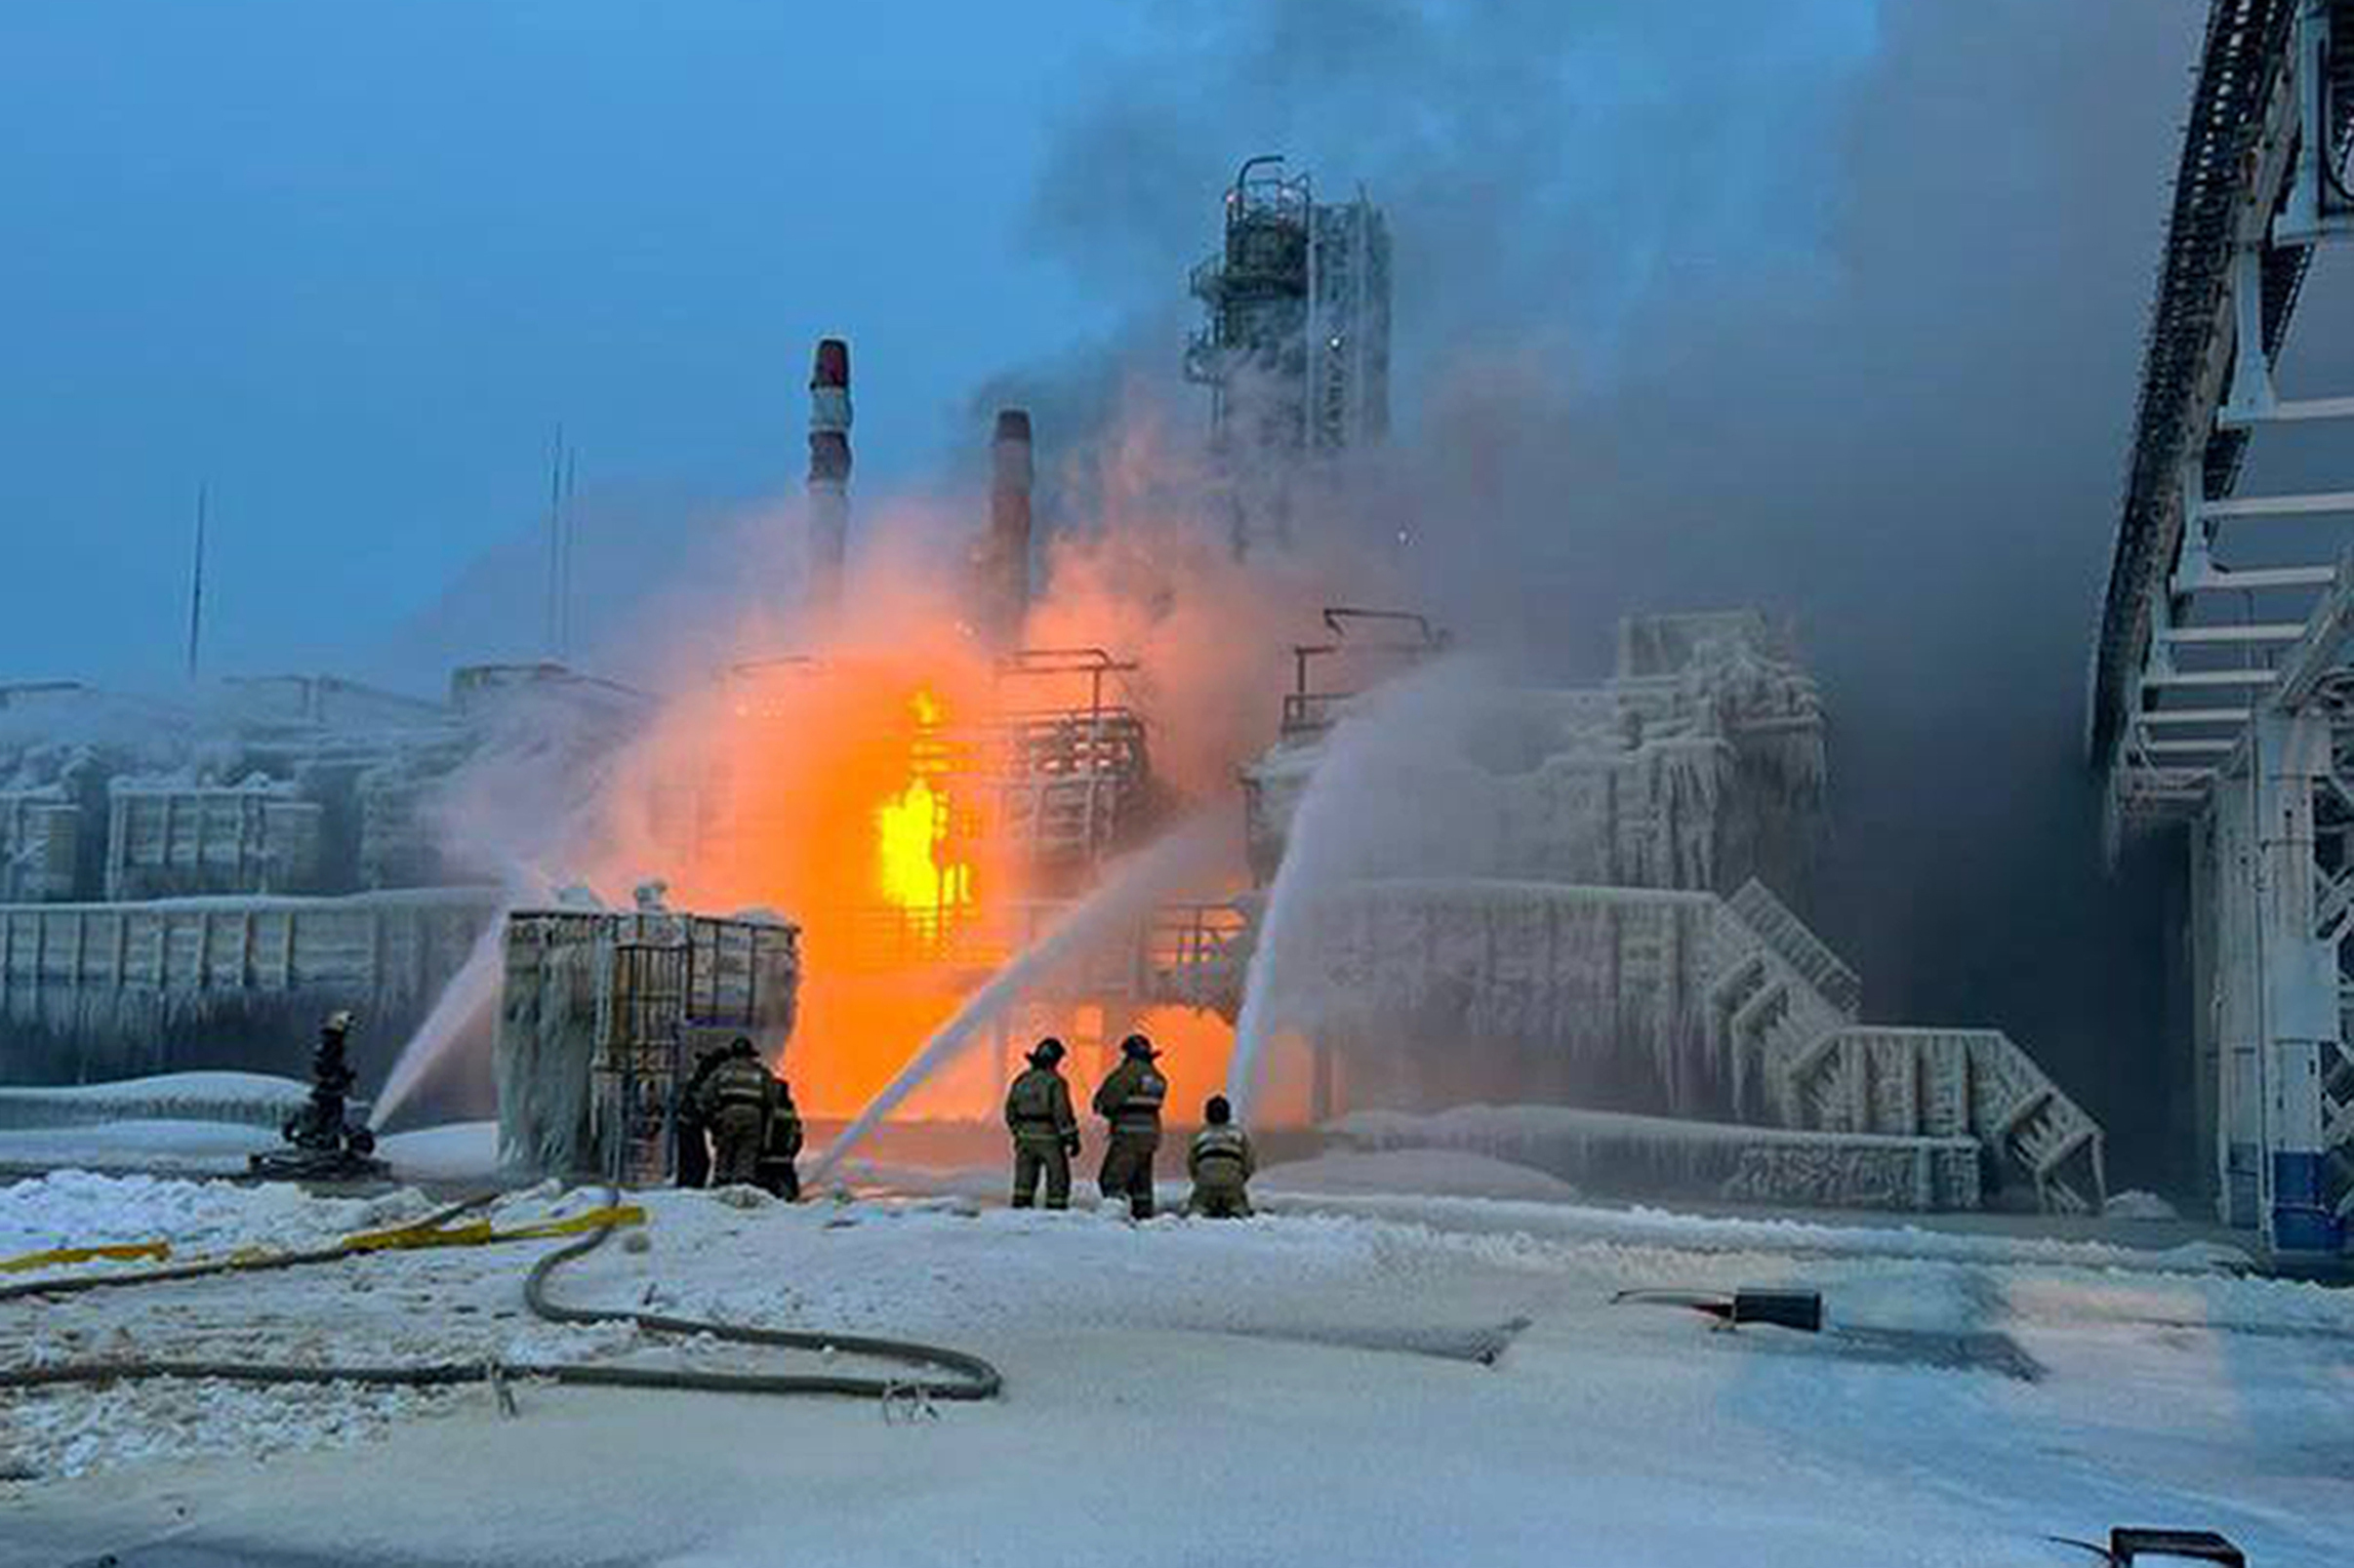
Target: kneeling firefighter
{"x":1221,"y":1163}
{"x":1130,"y":1100}
{"x":736,"y":1101}
{"x":1044,"y":1128}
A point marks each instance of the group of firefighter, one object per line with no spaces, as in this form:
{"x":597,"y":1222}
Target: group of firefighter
{"x":754,"y":1132}
{"x":747,"y":1115}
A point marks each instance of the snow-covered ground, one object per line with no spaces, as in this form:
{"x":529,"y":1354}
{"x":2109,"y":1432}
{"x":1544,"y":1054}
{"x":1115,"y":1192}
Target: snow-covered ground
{"x":184,"y":1147}
{"x":1291,"y":1389}
{"x":456,"y":1151}
{"x":1428,"y":1172}
{"x":247,"y":1099}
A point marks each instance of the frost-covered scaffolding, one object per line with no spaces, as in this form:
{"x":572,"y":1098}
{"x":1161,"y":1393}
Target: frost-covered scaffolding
{"x":1662,"y":1003}
{"x":1577,"y":898}
{"x":189,"y":881}
{"x":1700,"y":764}
{"x":601,"y":1015}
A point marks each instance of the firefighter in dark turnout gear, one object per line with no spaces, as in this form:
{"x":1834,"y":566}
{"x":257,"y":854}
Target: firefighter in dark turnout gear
{"x":1221,"y":1163}
{"x":320,"y":1124}
{"x":1130,"y":1100}
{"x":781,"y":1146}
{"x":694,"y":1146}
{"x":1044,"y":1128}
{"x":736,"y":1101}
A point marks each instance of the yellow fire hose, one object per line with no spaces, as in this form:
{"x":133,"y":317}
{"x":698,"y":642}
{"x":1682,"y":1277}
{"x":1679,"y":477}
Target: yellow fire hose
{"x":967,"y":1377}
{"x":121,"y":1251}
{"x":422,"y":1234}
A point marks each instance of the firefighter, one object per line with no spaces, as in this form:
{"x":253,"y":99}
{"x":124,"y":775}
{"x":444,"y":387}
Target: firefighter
{"x":1044,"y":1128}
{"x":1130,"y":1100}
{"x":779,"y":1146}
{"x":320,"y":1124}
{"x":694,"y":1146}
{"x":736,"y":1101}
{"x":1221,"y":1162}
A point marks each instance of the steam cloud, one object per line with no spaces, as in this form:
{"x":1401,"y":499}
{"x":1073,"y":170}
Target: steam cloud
{"x":1832,"y":307}
{"x":1829,"y":307}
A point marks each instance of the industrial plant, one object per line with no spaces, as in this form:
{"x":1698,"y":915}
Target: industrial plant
{"x":1373,"y":852}
{"x":1577,"y":933}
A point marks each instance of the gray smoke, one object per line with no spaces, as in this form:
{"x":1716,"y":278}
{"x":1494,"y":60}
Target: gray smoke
{"x":1833,"y":308}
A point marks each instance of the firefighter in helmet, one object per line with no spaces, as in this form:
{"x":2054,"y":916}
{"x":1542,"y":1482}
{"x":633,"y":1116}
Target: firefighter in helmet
{"x":1130,"y":1100}
{"x":1044,"y":1128}
{"x":737,"y":1099}
{"x":1221,"y":1162}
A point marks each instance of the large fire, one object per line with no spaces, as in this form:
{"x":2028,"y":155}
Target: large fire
{"x":916,"y":869}
{"x":857,"y":789}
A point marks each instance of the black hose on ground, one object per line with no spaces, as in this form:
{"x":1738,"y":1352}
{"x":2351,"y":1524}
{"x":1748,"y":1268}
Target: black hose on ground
{"x":971,"y":1378}
{"x":968,"y":1376}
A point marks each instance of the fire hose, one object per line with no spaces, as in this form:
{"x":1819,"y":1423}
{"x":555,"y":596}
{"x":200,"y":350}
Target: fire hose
{"x":955,"y":1373}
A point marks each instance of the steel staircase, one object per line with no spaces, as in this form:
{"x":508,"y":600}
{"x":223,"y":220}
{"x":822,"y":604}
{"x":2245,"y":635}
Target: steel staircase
{"x":1785,"y":1007}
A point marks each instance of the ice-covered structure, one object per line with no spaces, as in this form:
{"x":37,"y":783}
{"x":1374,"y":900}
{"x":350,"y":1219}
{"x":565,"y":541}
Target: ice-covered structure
{"x":190,"y":881}
{"x":601,"y":1015}
{"x":1575,"y":898}
{"x":1698,"y":764}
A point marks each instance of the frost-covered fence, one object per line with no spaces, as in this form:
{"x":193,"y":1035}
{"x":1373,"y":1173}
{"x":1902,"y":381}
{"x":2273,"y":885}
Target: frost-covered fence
{"x":40,"y":844}
{"x":1643,"y":999}
{"x":1428,"y":987}
{"x":174,"y":840}
{"x":1612,"y":1151}
{"x":90,"y":990}
{"x":1435,"y":991}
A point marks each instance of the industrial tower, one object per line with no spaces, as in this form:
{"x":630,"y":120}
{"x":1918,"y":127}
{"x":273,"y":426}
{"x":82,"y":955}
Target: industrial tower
{"x":1296,"y":347}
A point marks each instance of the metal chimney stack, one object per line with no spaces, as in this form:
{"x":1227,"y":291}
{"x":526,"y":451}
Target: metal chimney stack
{"x":1005,"y":554}
{"x":829,"y":472}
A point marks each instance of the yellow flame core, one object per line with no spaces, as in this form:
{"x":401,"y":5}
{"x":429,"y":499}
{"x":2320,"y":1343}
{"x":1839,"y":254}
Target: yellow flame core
{"x":911,"y":830}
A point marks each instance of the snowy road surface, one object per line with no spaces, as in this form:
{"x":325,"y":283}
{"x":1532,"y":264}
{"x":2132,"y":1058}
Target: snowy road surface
{"x":1288,"y":1391}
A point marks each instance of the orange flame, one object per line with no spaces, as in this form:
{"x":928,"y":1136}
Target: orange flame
{"x":840,"y":791}
{"x":916,"y":870}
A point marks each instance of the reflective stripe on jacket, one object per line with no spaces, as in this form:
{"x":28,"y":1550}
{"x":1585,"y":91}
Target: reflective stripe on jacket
{"x":1130,"y":1099}
{"x":1222,"y":1154}
{"x":739,"y":1082}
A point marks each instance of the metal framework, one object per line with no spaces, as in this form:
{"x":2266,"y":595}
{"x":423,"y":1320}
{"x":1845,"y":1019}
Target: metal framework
{"x":1296,"y":350}
{"x":2218,"y":692}
{"x":1309,"y":709}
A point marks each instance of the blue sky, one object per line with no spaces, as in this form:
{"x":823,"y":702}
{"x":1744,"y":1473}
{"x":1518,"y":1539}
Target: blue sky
{"x":351,"y":263}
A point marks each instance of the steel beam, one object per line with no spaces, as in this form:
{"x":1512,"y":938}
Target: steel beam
{"x":2286,"y":411}
{"x":2165,"y":717}
{"x":2324,"y":647}
{"x":2210,"y":677}
{"x":2328,"y":503}
{"x":2237,"y":579}
{"x":2238,"y":632}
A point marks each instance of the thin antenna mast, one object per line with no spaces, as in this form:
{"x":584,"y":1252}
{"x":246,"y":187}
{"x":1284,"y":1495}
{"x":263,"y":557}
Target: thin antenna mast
{"x":564,"y":576}
{"x":555,"y":542}
{"x":196,"y":585}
